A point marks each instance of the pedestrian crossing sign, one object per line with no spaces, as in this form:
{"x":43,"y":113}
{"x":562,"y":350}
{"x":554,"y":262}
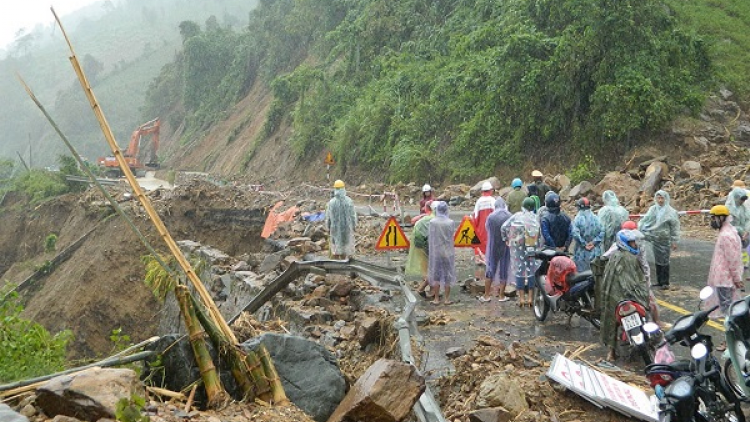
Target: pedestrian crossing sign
{"x":466,"y":236}
{"x":392,"y":237}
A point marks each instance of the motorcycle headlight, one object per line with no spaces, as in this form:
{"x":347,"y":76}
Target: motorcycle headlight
{"x":699,"y":351}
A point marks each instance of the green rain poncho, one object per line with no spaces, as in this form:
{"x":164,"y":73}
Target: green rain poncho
{"x":623,"y":279}
{"x":341,"y":221}
{"x":661,"y":226}
{"x":738,"y":211}
{"x":416,"y":264}
{"x":611,"y":215}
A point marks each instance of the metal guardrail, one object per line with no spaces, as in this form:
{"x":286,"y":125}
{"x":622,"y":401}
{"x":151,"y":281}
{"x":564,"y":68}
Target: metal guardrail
{"x":426,"y":408}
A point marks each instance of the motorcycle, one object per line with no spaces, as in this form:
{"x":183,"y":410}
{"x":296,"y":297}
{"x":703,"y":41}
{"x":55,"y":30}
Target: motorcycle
{"x":576,"y":299}
{"x":696,"y":389}
{"x":635,"y":331}
{"x":737,"y":364}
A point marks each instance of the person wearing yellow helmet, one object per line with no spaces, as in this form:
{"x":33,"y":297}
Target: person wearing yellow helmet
{"x":725,"y":273}
{"x":341,"y":220}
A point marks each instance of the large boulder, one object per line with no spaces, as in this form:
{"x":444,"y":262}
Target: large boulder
{"x":89,"y":395}
{"x":621,"y":184}
{"x":502,"y":390}
{"x":309,"y":373}
{"x":385,"y":393}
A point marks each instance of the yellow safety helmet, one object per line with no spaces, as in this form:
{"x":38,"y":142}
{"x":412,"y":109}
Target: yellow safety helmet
{"x":537,"y":173}
{"x":338,"y":184}
{"x":719,"y":210}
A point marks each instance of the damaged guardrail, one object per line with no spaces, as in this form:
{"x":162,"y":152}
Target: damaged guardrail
{"x":426,"y":408}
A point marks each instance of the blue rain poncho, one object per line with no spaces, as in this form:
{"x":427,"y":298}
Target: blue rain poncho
{"x":498,"y":253}
{"x":586,"y":228}
{"x":738,"y":211}
{"x":661,"y":227}
{"x":416,"y":263}
{"x":442,"y":256}
{"x":611,"y":215}
{"x":341,"y":219}
{"x":521,"y":233}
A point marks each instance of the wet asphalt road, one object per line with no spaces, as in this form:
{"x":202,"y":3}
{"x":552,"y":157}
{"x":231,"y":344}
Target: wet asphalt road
{"x":468,"y":318}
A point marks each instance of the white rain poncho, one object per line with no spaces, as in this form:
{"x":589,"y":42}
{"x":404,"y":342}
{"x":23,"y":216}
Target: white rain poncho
{"x":738,"y":211}
{"x":442,"y":253}
{"x":521,"y":231}
{"x":661,"y":226}
{"x":611,"y":215}
{"x":341,"y":219}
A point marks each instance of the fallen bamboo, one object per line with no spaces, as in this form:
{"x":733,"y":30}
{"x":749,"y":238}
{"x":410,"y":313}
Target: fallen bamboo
{"x":217,"y":396}
{"x":236,"y":357}
{"x":167,"y":393}
{"x":138,"y":192}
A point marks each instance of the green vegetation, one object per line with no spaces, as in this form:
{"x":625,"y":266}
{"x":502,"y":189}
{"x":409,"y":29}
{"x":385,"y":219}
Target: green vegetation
{"x":129,"y":410}
{"x":28,"y":348}
{"x":40,"y":184}
{"x":50,"y":243}
{"x":586,"y":169}
{"x":448,"y":89}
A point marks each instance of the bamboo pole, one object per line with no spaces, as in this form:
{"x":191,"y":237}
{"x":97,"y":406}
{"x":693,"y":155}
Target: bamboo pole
{"x":217,"y":396}
{"x":158,"y":223}
{"x":235,"y":355}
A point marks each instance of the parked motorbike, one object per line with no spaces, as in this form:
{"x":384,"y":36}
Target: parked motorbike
{"x":737,"y":364}
{"x":696,"y":389}
{"x":635,"y":331}
{"x":576,"y":299}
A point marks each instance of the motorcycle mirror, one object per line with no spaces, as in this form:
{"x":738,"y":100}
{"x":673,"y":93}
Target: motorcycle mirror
{"x":699,"y":351}
{"x":650,"y":327}
{"x":706,"y":292}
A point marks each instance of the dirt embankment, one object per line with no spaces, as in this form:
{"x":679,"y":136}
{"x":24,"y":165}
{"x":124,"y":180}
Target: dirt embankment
{"x":99,"y":287}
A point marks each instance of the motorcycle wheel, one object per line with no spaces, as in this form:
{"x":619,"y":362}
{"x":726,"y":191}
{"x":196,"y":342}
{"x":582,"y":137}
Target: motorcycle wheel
{"x":541,"y":307}
{"x":733,"y":380}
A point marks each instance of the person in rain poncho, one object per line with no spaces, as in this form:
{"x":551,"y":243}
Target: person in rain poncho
{"x":611,"y":215}
{"x":516,"y":196}
{"x":623,"y":279}
{"x":498,"y":253}
{"x":341,"y":220}
{"x":521,"y":233}
{"x":441,"y":270}
{"x":661,"y":226}
{"x":427,"y":197}
{"x":588,"y":234}
{"x":540,"y":213}
{"x":556,"y":225}
{"x":725,"y":273}
{"x":416,"y":263}
{"x":740,"y":215}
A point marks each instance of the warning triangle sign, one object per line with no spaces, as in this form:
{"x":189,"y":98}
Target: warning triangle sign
{"x":466,"y":236}
{"x":392,"y":237}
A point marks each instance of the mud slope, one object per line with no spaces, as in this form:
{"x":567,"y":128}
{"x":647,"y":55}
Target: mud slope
{"x":100,"y":287}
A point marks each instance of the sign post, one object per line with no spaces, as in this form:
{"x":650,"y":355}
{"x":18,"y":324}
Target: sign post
{"x":391,"y":238}
{"x":329,"y":161}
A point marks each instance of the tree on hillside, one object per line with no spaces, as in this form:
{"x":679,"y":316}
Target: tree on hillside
{"x":189,"y":29}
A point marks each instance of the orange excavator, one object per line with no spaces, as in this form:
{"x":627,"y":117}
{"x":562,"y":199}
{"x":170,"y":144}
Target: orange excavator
{"x":131,"y":155}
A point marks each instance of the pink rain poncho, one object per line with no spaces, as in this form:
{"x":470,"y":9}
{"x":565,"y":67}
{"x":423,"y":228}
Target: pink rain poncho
{"x":341,"y":221}
{"x":442,"y":253}
{"x":725,"y":274}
